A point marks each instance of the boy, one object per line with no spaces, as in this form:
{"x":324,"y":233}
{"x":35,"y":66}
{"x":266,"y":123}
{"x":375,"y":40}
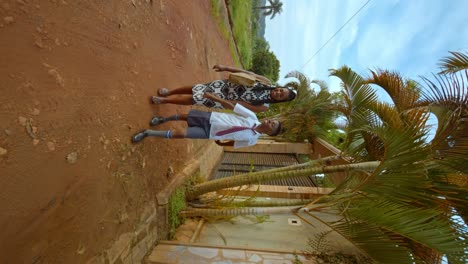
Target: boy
{"x":242,"y":127}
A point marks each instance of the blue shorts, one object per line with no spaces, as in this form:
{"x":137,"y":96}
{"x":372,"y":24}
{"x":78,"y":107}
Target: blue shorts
{"x":198,"y":124}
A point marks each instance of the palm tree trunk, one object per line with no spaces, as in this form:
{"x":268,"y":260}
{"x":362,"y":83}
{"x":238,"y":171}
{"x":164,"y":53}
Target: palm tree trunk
{"x":237,"y":211}
{"x":264,"y":176}
{"x":264,"y":7}
{"x":309,"y":164}
{"x":252,"y":203}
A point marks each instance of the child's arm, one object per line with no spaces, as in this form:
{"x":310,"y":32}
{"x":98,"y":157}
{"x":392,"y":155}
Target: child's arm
{"x":229,"y":143}
{"x":225,"y":103}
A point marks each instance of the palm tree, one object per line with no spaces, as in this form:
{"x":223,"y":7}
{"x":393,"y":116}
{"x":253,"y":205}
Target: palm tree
{"x":407,"y":208}
{"x":409,"y":205}
{"x":275,"y":7}
{"x":308,"y":116}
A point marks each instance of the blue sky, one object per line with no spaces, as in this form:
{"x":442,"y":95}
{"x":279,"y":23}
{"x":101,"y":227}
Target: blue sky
{"x":409,"y":36}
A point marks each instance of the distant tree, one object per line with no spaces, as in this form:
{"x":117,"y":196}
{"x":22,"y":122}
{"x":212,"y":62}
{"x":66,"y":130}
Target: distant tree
{"x":264,"y":62}
{"x":275,"y":7}
{"x":261,"y":44}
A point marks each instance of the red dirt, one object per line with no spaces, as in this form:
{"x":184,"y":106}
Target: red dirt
{"x":76,"y":75}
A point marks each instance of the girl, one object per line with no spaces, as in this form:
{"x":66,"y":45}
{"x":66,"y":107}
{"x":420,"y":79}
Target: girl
{"x":256,"y":98}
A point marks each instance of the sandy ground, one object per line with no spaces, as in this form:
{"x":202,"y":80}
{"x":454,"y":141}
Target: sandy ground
{"x":75,"y":80}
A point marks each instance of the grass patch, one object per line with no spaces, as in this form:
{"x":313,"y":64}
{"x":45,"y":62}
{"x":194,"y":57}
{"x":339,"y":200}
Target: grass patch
{"x":223,"y":28}
{"x":177,"y":203}
{"x":241,"y":14}
{"x":215,"y":6}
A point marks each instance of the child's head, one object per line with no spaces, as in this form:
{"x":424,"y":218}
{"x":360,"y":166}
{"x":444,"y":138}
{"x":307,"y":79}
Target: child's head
{"x":271,"y":127}
{"x":278,"y":94}
{"x":283,"y":94}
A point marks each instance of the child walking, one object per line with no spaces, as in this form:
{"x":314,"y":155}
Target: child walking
{"x":242,"y":128}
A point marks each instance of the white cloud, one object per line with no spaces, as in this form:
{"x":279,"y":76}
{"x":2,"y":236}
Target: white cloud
{"x":384,"y":41}
{"x":333,"y":15}
{"x":408,"y":36}
{"x":319,"y":21}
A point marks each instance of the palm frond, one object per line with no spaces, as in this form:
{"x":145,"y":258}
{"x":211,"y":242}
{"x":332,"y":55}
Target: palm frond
{"x":424,"y":226}
{"x":361,"y":144}
{"x":387,"y":114}
{"x":403,"y":185}
{"x":416,"y":118}
{"x":370,"y":240}
{"x":302,"y":85}
{"x":320,"y":243}
{"x":450,"y":91}
{"x":309,"y":115}
{"x":454,"y":188}
{"x":404,"y":93}
{"x":361,"y":94}
{"x":358,"y":97}
{"x":402,"y":173}
{"x":454,"y":63}
{"x":410,"y":200}
{"x":450,"y":144}
{"x":321,"y":84}
{"x":447,"y":99}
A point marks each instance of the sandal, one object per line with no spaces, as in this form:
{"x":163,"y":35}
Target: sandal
{"x":156,"y":100}
{"x":157,"y":120}
{"x":163,"y":92}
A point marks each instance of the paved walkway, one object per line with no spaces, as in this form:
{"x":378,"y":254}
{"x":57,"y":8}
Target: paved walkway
{"x":167,"y":253}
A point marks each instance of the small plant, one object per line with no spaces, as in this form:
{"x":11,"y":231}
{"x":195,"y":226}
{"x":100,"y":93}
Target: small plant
{"x":194,"y":179}
{"x":176,"y":204}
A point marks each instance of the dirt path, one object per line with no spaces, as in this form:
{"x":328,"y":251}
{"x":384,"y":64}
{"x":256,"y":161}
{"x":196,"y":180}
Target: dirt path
{"x":75,"y":77}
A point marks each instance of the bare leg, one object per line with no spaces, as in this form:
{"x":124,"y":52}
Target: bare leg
{"x":183,"y":117}
{"x":181,"y":90}
{"x":180,"y":99}
{"x":163,"y":92}
{"x":179,"y":133}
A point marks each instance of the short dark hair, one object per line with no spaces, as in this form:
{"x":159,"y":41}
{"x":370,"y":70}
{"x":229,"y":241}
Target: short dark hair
{"x":279,"y":130}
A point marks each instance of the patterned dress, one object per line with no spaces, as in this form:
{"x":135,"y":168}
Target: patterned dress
{"x":227,"y":91}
